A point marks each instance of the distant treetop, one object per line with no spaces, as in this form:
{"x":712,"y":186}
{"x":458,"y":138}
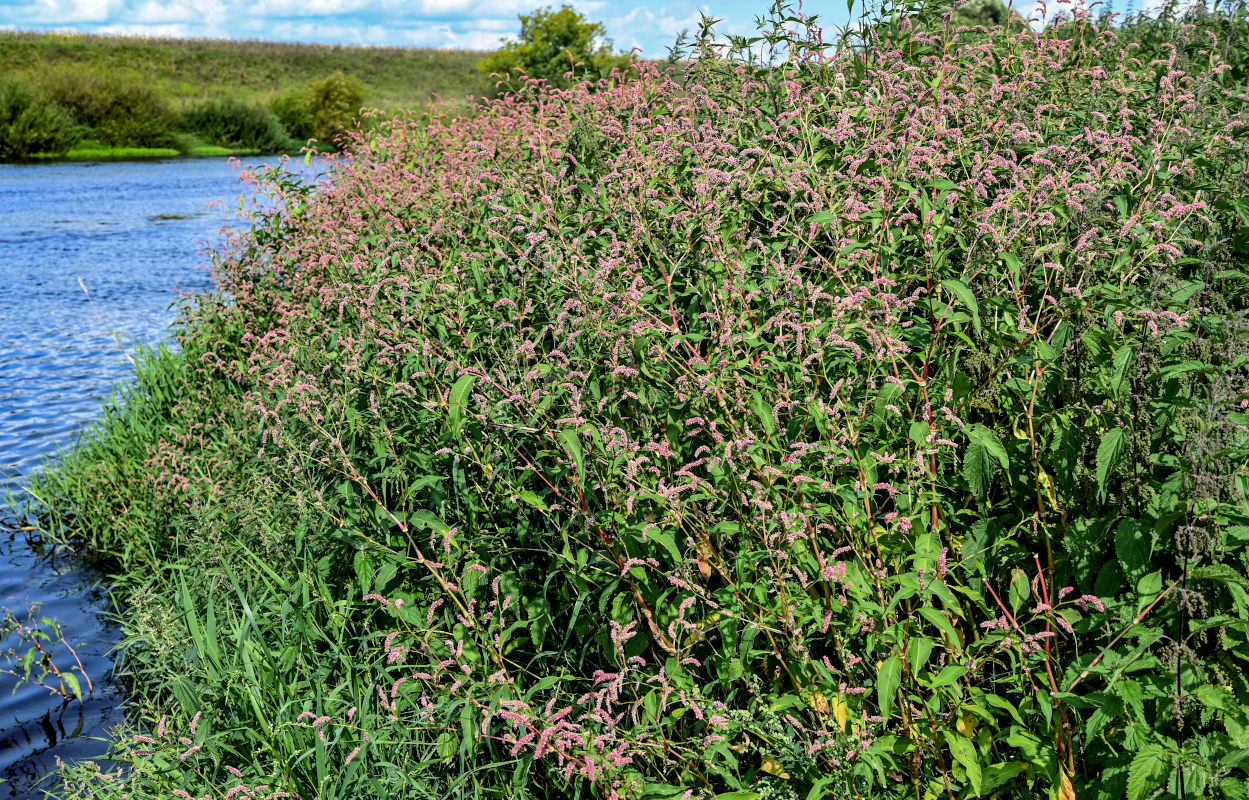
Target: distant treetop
{"x":552,"y":44}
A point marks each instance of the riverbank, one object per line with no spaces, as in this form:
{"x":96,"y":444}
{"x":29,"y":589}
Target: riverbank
{"x":837,"y":429}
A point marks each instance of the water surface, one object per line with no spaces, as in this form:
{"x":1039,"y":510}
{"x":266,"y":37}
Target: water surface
{"x":135,"y":235}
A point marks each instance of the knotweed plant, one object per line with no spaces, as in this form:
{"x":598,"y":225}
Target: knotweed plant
{"x":868,"y":421}
{"x":35,"y":651}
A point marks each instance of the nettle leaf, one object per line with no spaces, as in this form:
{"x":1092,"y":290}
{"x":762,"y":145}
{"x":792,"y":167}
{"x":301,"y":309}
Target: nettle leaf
{"x":888,"y":679}
{"x":1132,"y":546}
{"x":987,"y":439}
{"x":1108,"y":454}
{"x":1148,"y":771}
{"x":978,"y":470}
{"x":1123,"y":365}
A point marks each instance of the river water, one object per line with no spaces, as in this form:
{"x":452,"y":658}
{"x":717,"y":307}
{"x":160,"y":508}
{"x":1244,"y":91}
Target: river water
{"x":135,"y":235}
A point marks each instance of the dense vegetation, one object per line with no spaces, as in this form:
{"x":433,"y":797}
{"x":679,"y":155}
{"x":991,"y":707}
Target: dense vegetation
{"x":557,"y":46}
{"x":128,"y":92}
{"x":872,"y":424}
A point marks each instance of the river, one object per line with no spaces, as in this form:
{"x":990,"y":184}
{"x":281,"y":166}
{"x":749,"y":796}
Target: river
{"x":135,"y":236}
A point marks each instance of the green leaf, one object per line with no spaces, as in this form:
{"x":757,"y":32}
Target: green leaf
{"x":917,"y":652}
{"x":949,"y":675}
{"x":965,"y":753}
{"x":71,"y":680}
{"x":964,"y":293}
{"x":1123,"y":363}
{"x":533,"y":500}
{"x":432,"y":520}
{"x":1132,"y":546}
{"x":978,"y":471}
{"x":988,"y":440}
{"x":740,"y":794}
{"x":1020,"y":590}
{"x":665,"y":539}
{"x":1234,"y":789}
{"x":998,"y":774}
{"x":1108,"y":453}
{"x":887,"y":682}
{"x":457,"y":401}
{"x":572,"y":444}
{"x":764,"y":412}
{"x":1147,"y":771}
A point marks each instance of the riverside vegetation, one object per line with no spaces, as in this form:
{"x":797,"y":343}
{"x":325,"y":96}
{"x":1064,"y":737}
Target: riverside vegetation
{"x":91,"y":96}
{"x":868,"y":422}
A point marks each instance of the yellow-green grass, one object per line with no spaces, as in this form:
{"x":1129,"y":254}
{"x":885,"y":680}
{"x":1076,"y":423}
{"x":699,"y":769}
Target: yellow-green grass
{"x":191,"y":69}
{"x":93,"y":152}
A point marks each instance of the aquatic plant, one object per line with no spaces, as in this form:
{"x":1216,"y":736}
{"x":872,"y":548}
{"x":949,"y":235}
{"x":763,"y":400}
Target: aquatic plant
{"x":866,"y":423}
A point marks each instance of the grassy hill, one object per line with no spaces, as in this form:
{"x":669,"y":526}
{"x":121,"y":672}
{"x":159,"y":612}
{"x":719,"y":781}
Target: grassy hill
{"x":195,"y":69}
{"x":84,"y":96}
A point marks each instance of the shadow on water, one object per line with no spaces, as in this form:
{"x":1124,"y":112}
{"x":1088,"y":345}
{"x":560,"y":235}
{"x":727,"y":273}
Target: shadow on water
{"x":92,"y":260}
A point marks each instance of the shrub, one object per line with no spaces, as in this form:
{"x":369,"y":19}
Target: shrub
{"x":30,"y":125}
{"x":118,"y":109}
{"x":555,"y":46}
{"x":870,"y":425}
{"x":334,"y":103}
{"x":237,"y":124}
{"x":294,"y":112}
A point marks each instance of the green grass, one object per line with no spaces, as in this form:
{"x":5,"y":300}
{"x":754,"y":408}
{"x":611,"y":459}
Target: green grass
{"x":118,"y":153}
{"x":214,"y":150}
{"x":94,"y":152}
{"x":194,"y":69}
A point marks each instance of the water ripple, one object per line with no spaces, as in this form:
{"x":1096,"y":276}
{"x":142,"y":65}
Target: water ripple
{"x":134,"y":234}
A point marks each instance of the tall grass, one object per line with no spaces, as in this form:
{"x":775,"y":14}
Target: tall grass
{"x":868,"y":423}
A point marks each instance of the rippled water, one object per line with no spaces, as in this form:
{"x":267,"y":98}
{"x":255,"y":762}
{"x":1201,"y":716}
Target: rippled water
{"x":135,"y":235}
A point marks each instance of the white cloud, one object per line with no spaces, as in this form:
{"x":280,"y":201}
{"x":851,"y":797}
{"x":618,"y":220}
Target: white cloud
{"x":65,"y":12}
{"x":468,"y":24}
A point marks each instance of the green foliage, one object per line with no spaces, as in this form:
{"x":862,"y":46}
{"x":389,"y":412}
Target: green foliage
{"x":334,"y":102}
{"x":990,"y":13}
{"x":235,"y":124}
{"x":188,"y":70}
{"x":294,"y":111}
{"x":30,"y":126}
{"x":557,"y":46}
{"x":863,"y":427}
{"x":116,"y":108}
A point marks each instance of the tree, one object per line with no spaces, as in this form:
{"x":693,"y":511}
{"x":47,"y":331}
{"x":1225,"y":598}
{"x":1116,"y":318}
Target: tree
{"x":30,"y":125}
{"x":989,"y":13}
{"x":335,"y":102}
{"x":551,"y":43}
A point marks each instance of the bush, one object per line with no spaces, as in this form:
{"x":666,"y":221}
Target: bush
{"x":864,"y":425}
{"x":558,"y":47}
{"x":294,"y":112}
{"x":228,"y":122}
{"x":30,"y":125}
{"x":119,"y":110}
{"x":334,"y":103}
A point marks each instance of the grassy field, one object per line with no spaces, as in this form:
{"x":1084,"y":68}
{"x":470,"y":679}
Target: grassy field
{"x":194,"y":69}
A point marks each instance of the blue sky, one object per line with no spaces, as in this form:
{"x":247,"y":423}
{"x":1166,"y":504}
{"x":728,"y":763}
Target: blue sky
{"x":473,"y":24}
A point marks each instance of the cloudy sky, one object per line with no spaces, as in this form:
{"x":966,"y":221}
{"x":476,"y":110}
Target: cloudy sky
{"x":473,"y":24}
